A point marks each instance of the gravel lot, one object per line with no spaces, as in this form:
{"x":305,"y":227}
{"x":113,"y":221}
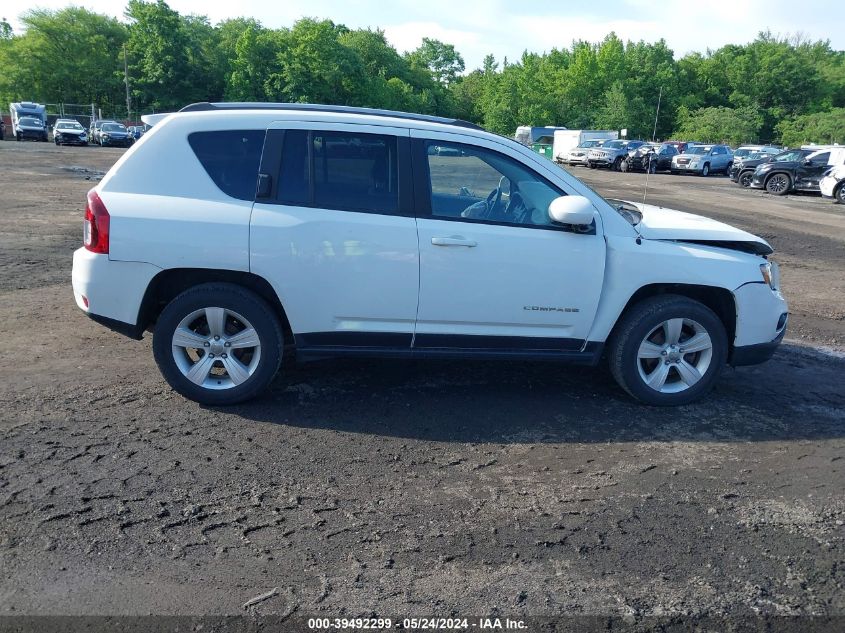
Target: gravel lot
{"x":426,"y":488}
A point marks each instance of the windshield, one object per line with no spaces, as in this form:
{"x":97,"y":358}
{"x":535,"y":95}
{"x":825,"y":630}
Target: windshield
{"x":28,"y":120}
{"x":113,"y":127}
{"x":614,"y":144}
{"x":68,"y":126}
{"x":698,"y":149}
{"x":591,"y":144}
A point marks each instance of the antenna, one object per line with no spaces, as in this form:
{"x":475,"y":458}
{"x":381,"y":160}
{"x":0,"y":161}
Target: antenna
{"x":653,"y":137}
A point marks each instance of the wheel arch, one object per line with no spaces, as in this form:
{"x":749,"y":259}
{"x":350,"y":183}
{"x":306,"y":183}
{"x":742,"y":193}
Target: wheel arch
{"x":168,"y":284}
{"x":720,"y":300}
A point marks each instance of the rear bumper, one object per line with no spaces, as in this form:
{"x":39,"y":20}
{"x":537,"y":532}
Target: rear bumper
{"x":111,"y":292}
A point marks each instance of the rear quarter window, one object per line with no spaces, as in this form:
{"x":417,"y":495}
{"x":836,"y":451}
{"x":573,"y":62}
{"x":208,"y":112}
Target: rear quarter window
{"x":231,"y":159}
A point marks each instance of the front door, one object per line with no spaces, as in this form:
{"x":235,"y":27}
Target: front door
{"x":810,"y":171}
{"x":495,"y":273}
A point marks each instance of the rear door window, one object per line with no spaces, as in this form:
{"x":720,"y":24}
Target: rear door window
{"x":231,"y":158}
{"x":357,"y":172}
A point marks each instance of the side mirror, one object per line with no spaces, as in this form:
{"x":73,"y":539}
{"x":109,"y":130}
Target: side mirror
{"x":571,"y":210}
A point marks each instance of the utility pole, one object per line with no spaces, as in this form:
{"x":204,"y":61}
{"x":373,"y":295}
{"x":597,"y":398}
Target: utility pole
{"x":126,"y":81}
{"x":654,"y":133}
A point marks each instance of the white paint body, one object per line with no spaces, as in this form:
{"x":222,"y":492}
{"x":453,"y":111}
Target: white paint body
{"x":340,"y":271}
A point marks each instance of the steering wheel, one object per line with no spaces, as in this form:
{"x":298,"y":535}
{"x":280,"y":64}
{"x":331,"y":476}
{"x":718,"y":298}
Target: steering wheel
{"x":494,"y":198}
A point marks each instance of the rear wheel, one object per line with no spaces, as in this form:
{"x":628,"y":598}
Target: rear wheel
{"x":218,"y":344}
{"x":668,"y":350}
{"x":778,"y":184}
{"x":728,"y":169}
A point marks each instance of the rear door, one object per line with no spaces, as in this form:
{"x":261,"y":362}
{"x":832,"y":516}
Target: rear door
{"x":495,"y":273}
{"x":333,"y":232}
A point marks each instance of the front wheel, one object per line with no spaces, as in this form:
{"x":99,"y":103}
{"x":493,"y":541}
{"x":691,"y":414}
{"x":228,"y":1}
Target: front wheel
{"x":668,"y":350}
{"x":745,"y":179}
{"x":778,"y":184}
{"x":652,"y":166}
{"x":617,"y":165}
{"x":705,"y":171}
{"x":218,"y":344}
{"x":624,"y":166}
{"x":728,"y":169}
{"x":839,"y":196}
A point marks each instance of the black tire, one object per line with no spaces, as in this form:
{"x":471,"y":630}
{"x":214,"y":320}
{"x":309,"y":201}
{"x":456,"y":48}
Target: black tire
{"x":652,"y":166}
{"x":636,"y":324}
{"x":778,"y":184}
{"x":744,"y":179}
{"x":728,"y":170}
{"x":18,"y":137}
{"x":617,"y":164}
{"x":231,"y":297}
{"x":591,"y":165}
{"x":705,"y":171}
{"x":839,"y":194}
{"x":56,"y":141}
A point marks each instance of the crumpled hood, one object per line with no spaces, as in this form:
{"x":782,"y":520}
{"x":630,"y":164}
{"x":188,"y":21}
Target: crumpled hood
{"x":660,"y":223}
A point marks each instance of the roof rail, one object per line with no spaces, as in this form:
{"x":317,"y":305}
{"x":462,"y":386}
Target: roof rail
{"x":315,"y":107}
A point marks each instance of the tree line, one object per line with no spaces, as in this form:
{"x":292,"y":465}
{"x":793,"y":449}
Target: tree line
{"x":774,"y":89}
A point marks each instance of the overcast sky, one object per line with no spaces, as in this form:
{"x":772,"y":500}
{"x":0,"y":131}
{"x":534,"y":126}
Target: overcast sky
{"x":478,"y":27}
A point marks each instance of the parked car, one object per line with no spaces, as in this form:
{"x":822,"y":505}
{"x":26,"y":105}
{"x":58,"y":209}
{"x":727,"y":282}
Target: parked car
{"x":802,"y":173}
{"x":69,"y":132}
{"x":30,"y":128}
{"x":2,"y":129}
{"x":682,"y":146}
{"x":114,"y":134}
{"x":94,"y":130}
{"x":651,"y":158}
{"x":611,"y":154}
{"x":742,"y":171}
{"x":578,"y":155}
{"x":703,"y":160}
{"x":745,"y":151}
{"x":832,"y":184}
{"x":135,"y":131}
{"x":238,"y":231}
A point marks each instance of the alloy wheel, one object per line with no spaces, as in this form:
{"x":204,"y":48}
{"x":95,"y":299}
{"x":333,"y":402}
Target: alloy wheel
{"x":674,"y":355}
{"x":216,"y":348}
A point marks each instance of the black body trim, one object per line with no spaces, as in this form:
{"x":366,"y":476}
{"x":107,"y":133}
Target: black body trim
{"x":318,"y":345}
{"x":313,"y":107}
{"x":132,"y":330}
{"x":755,"y":354}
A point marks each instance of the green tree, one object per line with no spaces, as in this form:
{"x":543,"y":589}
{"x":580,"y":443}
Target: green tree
{"x":441,"y":59}
{"x":820,"y":127}
{"x":65,"y":56}
{"x":719,"y":124}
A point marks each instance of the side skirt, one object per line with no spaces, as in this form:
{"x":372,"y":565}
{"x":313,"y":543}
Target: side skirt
{"x":319,"y":346}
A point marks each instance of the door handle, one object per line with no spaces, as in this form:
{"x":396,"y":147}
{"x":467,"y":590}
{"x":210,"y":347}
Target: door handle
{"x":454,"y":240}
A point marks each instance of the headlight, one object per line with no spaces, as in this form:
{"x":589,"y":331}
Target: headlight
{"x":771,"y":274}
{"x":693,"y":162}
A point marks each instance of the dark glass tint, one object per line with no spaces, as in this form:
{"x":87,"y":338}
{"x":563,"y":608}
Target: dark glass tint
{"x":231,"y":159}
{"x":293,"y":184}
{"x":357,"y":172}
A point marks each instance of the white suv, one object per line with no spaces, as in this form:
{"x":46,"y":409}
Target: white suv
{"x":237,"y":231}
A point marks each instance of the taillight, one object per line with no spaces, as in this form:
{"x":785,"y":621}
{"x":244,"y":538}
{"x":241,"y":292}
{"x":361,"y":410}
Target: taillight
{"x":96,"y":226}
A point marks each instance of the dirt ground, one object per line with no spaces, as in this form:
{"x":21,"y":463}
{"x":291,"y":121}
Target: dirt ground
{"x":413,"y":489}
